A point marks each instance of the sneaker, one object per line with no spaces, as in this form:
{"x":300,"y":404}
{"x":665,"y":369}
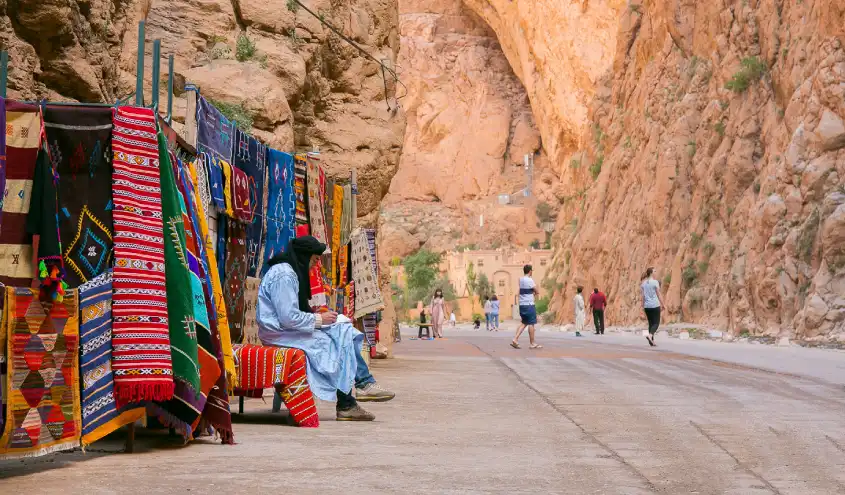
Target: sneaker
{"x":356,"y":413}
{"x":372,"y":392}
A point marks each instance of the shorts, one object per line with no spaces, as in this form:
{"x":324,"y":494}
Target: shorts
{"x":528,"y":314}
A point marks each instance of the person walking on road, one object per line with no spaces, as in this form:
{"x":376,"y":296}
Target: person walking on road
{"x":652,"y":302}
{"x":527,"y":310}
{"x":437,"y":310}
{"x":494,"y":313}
{"x":487,"y":313}
{"x":598,"y":301}
{"x":580,"y":313}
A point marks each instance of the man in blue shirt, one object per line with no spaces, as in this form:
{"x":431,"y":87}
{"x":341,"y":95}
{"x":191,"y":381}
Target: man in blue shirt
{"x":527,"y":310}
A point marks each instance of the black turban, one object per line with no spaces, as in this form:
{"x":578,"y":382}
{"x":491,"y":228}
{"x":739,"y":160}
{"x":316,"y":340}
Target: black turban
{"x":298,"y":256}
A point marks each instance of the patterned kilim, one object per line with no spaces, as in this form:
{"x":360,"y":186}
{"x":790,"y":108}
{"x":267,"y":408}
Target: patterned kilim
{"x":349,"y":304}
{"x":22,"y":131}
{"x":250,"y":334}
{"x":240,"y":196}
{"x":281,"y":205}
{"x":2,"y":166}
{"x":100,"y":414}
{"x":268,"y":367}
{"x":252,"y":159}
{"x":215,"y":133}
{"x":343,"y":264}
{"x":346,"y":217}
{"x":141,"y":359}
{"x":215,"y":183}
{"x":43,"y":402}
{"x":300,"y":173}
{"x":79,"y":141}
{"x":337,"y":215}
{"x":315,"y":277}
{"x":236,"y":270}
{"x":367,"y":294}
{"x":202,"y":190}
{"x":370,"y":328}
{"x":228,"y":188}
{"x":316,"y":198}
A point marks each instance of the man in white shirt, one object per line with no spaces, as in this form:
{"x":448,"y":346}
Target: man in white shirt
{"x":527,"y":310}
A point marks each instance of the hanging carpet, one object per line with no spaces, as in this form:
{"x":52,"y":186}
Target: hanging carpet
{"x":141,"y":358}
{"x":299,"y":182}
{"x":79,"y":144}
{"x":316,"y":198}
{"x":281,"y":205}
{"x":337,"y":215}
{"x":367,"y":294}
{"x":250,"y":333}
{"x":100,"y":414}
{"x":240,"y":196}
{"x":252,"y":159}
{"x":236,"y":272}
{"x":215,"y":133}
{"x":44,"y":404}
{"x":22,"y":131}
{"x":214,"y":174}
{"x":2,"y":161}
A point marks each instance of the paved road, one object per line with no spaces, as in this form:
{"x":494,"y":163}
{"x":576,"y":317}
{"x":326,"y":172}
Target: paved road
{"x":475,"y":416}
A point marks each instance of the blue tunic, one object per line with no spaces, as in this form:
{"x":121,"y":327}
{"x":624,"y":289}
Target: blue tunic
{"x":330,"y":351}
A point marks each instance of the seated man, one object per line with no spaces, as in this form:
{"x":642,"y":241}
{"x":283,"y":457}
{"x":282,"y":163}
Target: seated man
{"x":332,"y":349}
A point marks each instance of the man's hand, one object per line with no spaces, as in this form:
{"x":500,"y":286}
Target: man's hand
{"x":329,"y":317}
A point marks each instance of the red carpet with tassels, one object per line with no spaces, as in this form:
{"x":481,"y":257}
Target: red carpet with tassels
{"x":262,"y":367}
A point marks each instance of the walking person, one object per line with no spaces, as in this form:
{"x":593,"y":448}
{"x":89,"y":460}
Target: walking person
{"x":452,"y":320}
{"x":598,"y":301}
{"x":424,"y":326}
{"x":580,"y":313}
{"x":494,"y":313}
{"x":437,"y":309}
{"x":652,"y":302}
{"x":527,"y":310}
{"x":487,"y":313}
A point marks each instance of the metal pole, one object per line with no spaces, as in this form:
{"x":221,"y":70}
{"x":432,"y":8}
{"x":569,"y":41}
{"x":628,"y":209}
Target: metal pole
{"x":354,"y":181}
{"x":4,"y":72}
{"x":156,"y":72}
{"x":139,"y":67}
{"x":170,"y":89}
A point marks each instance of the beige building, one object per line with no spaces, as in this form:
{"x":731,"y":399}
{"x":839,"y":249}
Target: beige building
{"x":502,"y":267}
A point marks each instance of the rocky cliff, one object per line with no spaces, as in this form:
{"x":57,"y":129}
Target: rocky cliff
{"x":705,"y":139}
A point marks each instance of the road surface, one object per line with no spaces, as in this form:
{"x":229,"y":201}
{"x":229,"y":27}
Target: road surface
{"x":582,"y":416}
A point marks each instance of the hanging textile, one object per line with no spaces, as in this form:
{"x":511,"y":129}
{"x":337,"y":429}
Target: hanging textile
{"x":100,"y":414}
{"x":240,"y":196}
{"x":43,"y":221}
{"x":316,"y":198}
{"x":318,"y":294}
{"x":252,"y":159}
{"x":367,"y":294}
{"x":215,"y":183}
{"x":343,"y":264}
{"x":3,"y":356}
{"x":227,"y":189}
{"x":43,"y":342}
{"x":2,"y":161}
{"x":370,"y":328}
{"x":281,"y":205}
{"x":22,"y":131}
{"x":300,"y":174}
{"x":250,"y":334}
{"x":349,"y":303}
{"x":337,"y":214}
{"x":212,"y":278}
{"x":236,"y":270}
{"x":202,"y":187}
{"x":215,"y":133}
{"x":79,"y":144}
{"x":346,"y":217}
{"x":139,"y":305}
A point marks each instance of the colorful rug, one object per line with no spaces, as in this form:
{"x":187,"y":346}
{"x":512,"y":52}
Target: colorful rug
{"x":337,"y":215}
{"x":370,"y":328}
{"x":202,"y":189}
{"x":141,"y":359}
{"x":250,"y":334}
{"x":100,"y":414}
{"x":299,"y":182}
{"x":346,"y":217}
{"x":22,"y":131}
{"x":281,"y":205}
{"x":316,"y":198}
{"x":240,"y":196}
{"x":215,"y":133}
{"x":43,"y":220}
{"x":215,"y":183}
{"x":367,"y":294}
{"x":43,"y":400}
{"x":349,"y":303}
{"x":236,"y":272}
{"x":79,"y":142}
{"x":252,"y":159}
{"x":3,"y":367}
{"x":343,"y":265}
{"x":277,"y":367}
{"x":228,"y":187}
{"x":2,"y":162}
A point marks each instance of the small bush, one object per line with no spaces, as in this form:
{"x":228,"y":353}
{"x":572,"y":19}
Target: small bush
{"x":720,"y":128}
{"x":695,"y":240}
{"x":575,"y":163}
{"x":751,"y":71}
{"x":634,"y":8}
{"x":692,"y":148}
{"x":595,"y":169}
{"x":689,"y":275}
{"x":709,"y":249}
{"x":703,"y":266}
{"x":542,"y":305}
{"x":245,"y":48}
{"x":667,"y":280}
{"x":236,"y":113}
{"x":756,"y":187}
{"x":293,"y":6}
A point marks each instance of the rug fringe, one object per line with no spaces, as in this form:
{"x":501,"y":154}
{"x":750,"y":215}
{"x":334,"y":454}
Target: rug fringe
{"x":69,"y":445}
{"x":127,"y":393}
{"x":168,"y":420}
{"x":124,"y":418}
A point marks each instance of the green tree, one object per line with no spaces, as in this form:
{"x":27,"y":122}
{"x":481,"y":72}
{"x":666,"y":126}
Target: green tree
{"x":472,"y":280}
{"x":483,"y":286}
{"x":535,"y":244}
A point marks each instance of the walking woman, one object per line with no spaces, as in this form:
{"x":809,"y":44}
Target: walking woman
{"x":651,"y":303}
{"x":580,"y":312}
{"x":437,"y":309}
{"x":494,"y":313}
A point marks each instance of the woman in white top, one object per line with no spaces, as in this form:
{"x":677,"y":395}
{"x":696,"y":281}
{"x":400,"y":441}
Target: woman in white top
{"x":437,"y":310}
{"x":580,"y":312}
{"x":494,"y":313}
{"x":487,"y":311}
{"x":650,"y":289}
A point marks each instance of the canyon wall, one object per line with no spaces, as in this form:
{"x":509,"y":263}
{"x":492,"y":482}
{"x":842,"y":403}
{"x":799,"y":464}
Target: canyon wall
{"x":705,"y":139}
{"x":469,"y":126}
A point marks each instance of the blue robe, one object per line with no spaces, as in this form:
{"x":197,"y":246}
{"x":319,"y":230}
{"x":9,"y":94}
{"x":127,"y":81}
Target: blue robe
{"x":331,"y":351}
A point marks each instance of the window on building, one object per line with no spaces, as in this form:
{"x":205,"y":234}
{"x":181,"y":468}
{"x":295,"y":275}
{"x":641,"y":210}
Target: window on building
{"x":501,"y":283}
{"x":480,"y":263}
{"x":543,"y":262}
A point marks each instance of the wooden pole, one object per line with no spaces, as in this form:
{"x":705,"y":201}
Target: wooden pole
{"x":156,"y":73}
{"x":139,"y":67}
{"x":130,"y":438}
{"x":191,"y":92}
{"x":354,"y":181}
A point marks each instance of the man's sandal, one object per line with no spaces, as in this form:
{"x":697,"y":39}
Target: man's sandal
{"x":515,"y":345}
